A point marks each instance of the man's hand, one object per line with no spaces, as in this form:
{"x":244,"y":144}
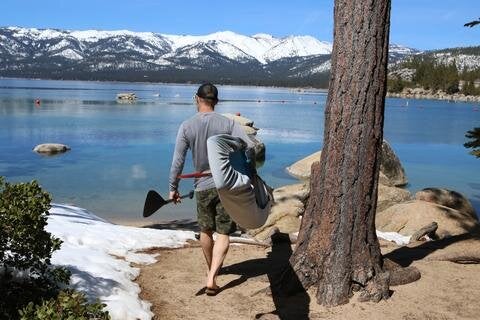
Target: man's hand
{"x":175,"y":196}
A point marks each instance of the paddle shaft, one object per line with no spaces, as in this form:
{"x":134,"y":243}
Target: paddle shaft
{"x":194,"y":175}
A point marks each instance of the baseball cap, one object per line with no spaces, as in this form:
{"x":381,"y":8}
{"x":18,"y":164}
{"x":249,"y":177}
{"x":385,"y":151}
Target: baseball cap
{"x":208,"y":91}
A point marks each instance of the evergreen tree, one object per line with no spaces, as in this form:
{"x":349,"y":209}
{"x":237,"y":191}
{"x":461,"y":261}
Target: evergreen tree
{"x":474,"y":144}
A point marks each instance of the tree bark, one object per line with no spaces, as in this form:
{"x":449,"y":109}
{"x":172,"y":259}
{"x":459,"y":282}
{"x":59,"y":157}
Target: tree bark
{"x":337,"y":249}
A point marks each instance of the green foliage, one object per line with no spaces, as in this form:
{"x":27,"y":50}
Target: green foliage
{"x":26,"y":274}
{"x":396,"y":85}
{"x":436,"y":76}
{"x":24,"y":244}
{"x":431,"y":75}
{"x":474,"y":136}
{"x":67,"y":305}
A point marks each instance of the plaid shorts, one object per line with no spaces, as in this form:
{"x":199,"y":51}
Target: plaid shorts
{"x":211,"y":214}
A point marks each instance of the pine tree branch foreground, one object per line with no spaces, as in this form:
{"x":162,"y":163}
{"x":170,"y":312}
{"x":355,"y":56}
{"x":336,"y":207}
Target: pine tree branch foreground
{"x":337,"y":250}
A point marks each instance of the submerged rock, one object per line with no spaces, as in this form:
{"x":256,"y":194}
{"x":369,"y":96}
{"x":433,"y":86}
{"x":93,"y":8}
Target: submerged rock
{"x":51,"y":148}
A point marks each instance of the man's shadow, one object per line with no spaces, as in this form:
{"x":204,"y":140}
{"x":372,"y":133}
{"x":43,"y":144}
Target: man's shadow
{"x":278,"y":269}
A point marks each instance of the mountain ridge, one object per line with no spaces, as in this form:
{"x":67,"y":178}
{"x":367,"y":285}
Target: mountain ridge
{"x":225,"y":56}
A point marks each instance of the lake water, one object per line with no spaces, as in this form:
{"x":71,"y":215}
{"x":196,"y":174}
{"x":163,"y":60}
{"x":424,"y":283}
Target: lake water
{"x":119,"y":151}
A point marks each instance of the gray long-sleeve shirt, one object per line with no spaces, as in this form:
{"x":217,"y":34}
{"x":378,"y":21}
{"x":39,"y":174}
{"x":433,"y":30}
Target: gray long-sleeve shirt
{"x":193,"y":134}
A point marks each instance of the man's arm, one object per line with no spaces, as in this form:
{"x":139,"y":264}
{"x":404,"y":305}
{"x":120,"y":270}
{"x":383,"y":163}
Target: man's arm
{"x":181,"y":147}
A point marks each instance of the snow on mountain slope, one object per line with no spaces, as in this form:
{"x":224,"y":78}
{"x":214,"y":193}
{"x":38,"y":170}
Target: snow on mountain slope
{"x":250,"y":46}
{"x":262,"y":47}
{"x":297,"y":46}
{"x":462,"y":61}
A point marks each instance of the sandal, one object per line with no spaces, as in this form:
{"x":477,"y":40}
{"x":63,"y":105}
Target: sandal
{"x":212,"y":291}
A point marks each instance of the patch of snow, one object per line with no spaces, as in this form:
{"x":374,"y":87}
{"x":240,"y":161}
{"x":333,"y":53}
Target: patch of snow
{"x":69,"y":54}
{"x":298,"y":46}
{"x":323,"y":67}
{"x":160,"y":62}
{"x":99,"y":253}
{"x":469,"y":62}
{"x":395,"y":237}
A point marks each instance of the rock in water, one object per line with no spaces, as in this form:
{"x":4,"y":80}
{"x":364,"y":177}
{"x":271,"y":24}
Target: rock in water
{"x":241,"y":120}
{"x":302,"y":169}
{"x":409,"y":217}
{"x":51,"y":148}
{"x":447,"y":198}
{"x":390,"y":165}
{"x":391,"y":170}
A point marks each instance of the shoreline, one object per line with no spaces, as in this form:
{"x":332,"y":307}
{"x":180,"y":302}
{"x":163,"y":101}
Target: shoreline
{"x":321,"y":90}
{"x":426,"y":95}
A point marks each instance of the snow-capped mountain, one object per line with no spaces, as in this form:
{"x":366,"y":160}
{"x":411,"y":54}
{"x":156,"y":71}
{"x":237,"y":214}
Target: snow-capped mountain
{"x":126,"y":55}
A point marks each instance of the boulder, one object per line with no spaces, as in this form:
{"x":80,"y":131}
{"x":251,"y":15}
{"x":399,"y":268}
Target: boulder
{"x":51,"y":148}
{"x":302,"y":168}
{"x":289,"y":205}
{"x":407,"y":218}
{"x":259,"y":148}
{"x":388,"y":196}
{"x":447,"y":198}
{"x":390,"y":165}
{"x":239,"y":119}
{"x":286,"y":224}
{"x":382,"y":179}
{"x":250,"y":130}
{"x":391,"y":170}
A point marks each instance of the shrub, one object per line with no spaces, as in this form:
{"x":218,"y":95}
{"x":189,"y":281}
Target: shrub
{"x":68,"y":304}
{"x":26,"y":274}
{"x":24,"y":243}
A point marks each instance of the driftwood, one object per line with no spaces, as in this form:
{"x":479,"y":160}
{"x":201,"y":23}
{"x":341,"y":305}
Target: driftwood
{"x":400,"y":275}
{"x":428,"y":230}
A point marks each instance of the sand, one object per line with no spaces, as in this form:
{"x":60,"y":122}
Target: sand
{"x":174,"y":287}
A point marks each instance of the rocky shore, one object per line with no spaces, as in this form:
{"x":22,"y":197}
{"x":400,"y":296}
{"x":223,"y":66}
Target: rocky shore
{"x":419,"y":93}
{"x":432,"y":215}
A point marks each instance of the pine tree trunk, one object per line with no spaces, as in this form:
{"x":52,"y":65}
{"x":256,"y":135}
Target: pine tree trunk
{"x":338,"y":250}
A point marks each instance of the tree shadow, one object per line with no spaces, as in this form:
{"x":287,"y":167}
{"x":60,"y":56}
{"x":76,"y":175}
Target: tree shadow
{"x":405,"y":256}
{"x":275,"y":266}
{"x":92,"y":286}
{"x":183,"y":224}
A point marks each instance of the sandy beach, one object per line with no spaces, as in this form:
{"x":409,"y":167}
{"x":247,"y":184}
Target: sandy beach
{"x":174,"y":285}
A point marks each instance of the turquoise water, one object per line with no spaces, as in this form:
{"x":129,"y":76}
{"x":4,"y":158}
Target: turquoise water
{"x":119,"y":151}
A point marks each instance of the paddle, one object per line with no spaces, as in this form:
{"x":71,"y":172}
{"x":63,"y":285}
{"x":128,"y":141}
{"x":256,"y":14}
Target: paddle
{"x":154,"y":201}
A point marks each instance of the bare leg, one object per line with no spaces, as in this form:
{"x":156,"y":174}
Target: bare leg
{"x":206,"y":241}
{"x":220,"y":249}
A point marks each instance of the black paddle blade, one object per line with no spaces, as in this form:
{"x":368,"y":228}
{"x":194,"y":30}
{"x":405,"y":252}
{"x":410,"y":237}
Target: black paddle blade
{"x":153,"y":202}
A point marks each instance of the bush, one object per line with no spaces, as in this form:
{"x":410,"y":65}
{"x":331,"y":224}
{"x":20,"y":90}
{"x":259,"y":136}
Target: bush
{"x":24,"y":244}
{"x":26,"y":274}
{"x":67,"y":305}
{"x":395,"y":85}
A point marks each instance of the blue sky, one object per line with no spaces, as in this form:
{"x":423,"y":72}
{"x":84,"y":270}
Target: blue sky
{"x":423,"y":24}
